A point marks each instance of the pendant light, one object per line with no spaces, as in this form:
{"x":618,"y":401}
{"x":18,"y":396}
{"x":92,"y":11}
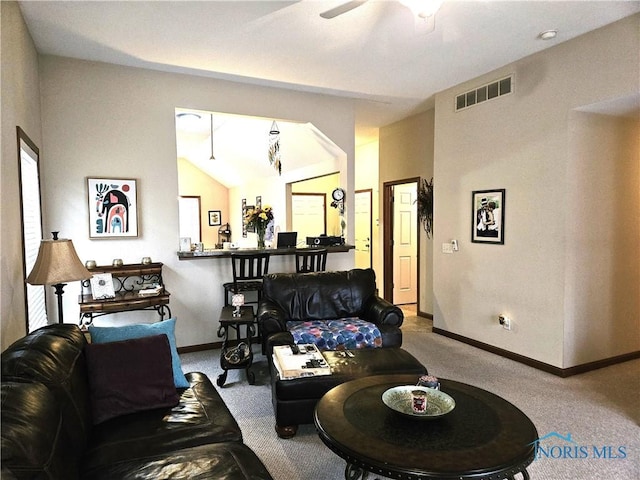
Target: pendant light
{"x":212,"y":156}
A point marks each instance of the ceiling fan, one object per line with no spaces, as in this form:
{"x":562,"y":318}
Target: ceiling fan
{"x":340,"y":9}
{"x":421,"y":8}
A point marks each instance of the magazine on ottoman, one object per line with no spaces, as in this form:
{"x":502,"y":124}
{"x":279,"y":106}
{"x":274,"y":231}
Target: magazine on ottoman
{"x":297,"y":361}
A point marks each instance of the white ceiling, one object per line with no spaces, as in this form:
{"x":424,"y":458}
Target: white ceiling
{"x":378,"y":54}
{"x":241,"y":144}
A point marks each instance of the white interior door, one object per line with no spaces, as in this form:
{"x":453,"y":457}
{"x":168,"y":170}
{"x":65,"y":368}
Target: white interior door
{"x":363,"y":229}
{"x":308,"y":215}
{"x":405,"y":252}
{"x":189,"y":211}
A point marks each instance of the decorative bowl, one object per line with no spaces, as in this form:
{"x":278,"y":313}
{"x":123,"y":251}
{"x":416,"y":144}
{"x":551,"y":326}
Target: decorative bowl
{"x":400,"y":400}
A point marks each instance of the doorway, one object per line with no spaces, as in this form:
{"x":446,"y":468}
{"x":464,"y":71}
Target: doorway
{"x":401,"y":242}
{"x":308,"y":214}
{"x":363,"y":228}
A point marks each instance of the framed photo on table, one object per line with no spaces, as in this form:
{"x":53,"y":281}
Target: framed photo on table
{"x":215,"y":218}
{"x":487,"y":216}
{"x":113,"y":207}
{"x":102,"y":286}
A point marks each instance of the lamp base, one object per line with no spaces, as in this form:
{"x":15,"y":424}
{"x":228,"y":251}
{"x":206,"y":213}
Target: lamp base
{"x":59,"y":290}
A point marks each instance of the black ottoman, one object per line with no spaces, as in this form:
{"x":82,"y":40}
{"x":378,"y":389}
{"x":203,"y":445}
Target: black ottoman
{"x":295,"y":400}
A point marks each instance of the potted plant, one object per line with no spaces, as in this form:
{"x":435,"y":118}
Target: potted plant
{"x":425,"y":205}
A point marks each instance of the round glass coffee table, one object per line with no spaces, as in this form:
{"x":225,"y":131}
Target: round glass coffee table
{"x":484,"y":437}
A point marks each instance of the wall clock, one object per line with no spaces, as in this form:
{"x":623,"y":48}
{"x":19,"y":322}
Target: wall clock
{"x":338,"y":194}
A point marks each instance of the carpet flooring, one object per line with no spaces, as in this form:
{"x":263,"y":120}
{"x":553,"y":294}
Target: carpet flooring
{"x":599,"y":409}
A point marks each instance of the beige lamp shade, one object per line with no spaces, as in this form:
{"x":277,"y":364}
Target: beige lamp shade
{"x":57,"y":262}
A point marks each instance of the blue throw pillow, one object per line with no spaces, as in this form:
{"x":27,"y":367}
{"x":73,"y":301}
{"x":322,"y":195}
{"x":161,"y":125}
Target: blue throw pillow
{"x":128,"y":332}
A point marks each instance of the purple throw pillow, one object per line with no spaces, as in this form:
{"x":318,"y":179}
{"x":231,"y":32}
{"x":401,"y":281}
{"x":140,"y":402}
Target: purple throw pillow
{"x":130,"y":376}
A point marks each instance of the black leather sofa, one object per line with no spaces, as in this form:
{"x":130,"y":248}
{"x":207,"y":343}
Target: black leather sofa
{"x":325,"y":296}
{"x":48,"y":432}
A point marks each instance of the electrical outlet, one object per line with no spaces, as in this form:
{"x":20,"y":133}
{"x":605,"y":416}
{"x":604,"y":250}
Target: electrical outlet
{"x":505,"y":322}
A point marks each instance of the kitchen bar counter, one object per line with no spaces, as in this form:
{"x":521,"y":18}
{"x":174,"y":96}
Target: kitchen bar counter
{"x":220,"y":253}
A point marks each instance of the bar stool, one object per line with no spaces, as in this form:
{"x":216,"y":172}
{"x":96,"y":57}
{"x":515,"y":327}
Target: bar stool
{"x":311,"y":260}
{"x":248,"y":270}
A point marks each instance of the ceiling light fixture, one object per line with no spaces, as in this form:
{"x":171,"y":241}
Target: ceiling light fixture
{"x":548,"y":34}
{"x":188,"y":116}
{"x":188,"y":121}
{"x":423,"y":8}
{"x":212,"y":157}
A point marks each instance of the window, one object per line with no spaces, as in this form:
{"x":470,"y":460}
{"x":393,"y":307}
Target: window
{"x":31,"y":217}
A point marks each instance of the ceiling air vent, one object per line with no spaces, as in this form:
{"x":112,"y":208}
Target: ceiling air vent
{"x":484,"y":93}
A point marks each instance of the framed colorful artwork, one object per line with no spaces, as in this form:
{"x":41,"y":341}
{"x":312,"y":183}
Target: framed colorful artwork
{"x":215,"y":218}
{"x":247,"y":228}
{"x":487,"y":214}
{"x":113,"y":207}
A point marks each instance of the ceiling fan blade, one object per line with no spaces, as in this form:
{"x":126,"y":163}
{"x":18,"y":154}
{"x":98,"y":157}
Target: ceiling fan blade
{"x":340,"y":9}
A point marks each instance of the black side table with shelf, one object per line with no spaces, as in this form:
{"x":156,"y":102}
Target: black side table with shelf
{"x":229,"y":322}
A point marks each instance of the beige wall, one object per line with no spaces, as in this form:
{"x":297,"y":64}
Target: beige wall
{"x":101,"y":119}
{"x":20,"y":107}
{"x":106,"y":120}
{"x":522,"y":142}
{"x":406,"y":151}
{"x":602,"y":304}
{"x":367,"y":176}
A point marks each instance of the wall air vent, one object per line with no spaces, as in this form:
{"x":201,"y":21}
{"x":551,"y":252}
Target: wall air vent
{"x":484,"y":93}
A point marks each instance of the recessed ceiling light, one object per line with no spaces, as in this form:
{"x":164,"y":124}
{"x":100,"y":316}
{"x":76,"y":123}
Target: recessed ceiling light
{"x":548,"y":34}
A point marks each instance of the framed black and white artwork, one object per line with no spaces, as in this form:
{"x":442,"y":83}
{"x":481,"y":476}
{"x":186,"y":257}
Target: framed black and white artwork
{"x":487,"y":214}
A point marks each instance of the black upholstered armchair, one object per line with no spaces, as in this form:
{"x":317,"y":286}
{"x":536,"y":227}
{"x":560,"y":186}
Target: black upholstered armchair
{"x":334,"y":310}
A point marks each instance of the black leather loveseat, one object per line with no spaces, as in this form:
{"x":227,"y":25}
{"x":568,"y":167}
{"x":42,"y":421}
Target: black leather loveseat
{"x":48,"y":431}
{"x":322,"y":297}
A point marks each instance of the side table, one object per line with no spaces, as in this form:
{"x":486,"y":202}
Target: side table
{"x":229,"y":322}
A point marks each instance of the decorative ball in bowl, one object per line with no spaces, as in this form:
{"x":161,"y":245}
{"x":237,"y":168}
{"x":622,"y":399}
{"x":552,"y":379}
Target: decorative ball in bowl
{"x":401,"y":400}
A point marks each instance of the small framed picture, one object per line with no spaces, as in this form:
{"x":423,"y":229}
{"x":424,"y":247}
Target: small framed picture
{"x":247,"y":228}
{"x":102,"y":286}
{"x":244,"y":212}
{"x":215,"y":218}
{"x":113,"y":207}
{"x":487,"y":214}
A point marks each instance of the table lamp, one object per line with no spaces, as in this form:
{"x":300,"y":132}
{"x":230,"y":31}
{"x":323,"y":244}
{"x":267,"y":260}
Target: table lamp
{"x":56,"y":264}
{"x":237,"y":301}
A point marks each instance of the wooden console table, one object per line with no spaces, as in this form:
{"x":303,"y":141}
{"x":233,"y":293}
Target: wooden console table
{"x":128,"y":280}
